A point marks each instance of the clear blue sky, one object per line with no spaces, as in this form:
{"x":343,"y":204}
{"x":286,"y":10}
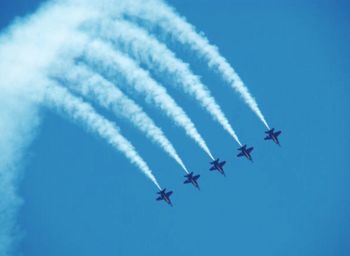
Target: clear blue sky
{"x":81,"y":197}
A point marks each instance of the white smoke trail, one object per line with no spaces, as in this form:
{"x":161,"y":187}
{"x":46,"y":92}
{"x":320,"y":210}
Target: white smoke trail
{"x":95,"y":87}
{"x":108,"y":58}
{"x":27,"y":48}
{"x":156,"y":55}
{"x":160,"y":14}
{"x":82,"y":112}
{"x":15,"y":136}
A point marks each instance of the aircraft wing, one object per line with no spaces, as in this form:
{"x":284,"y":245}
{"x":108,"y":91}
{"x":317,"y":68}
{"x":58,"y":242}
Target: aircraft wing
{"x":240,"y":154}
{"x":278,"y":133}
{"x":250,"y":149}
{"x":169,"y":193}
{"x":267,"y":138}
{"x":187,"y":181}
{"x":222,"y":163}
{"x":212,"y":168}
{"x":159,"y":198}
{"x":196,"y":177}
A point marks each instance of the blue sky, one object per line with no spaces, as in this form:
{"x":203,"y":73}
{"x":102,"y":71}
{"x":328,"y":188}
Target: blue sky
{"x":81,"y":197}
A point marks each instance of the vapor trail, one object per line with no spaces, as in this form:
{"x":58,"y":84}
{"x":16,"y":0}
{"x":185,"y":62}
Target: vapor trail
{"x":160,"y":14}
{"x":93,"y":86}
{"x":27,"y":48}
{"x":141,"y":82}
{"x":81,"y":111}
{"x":157,"y":56}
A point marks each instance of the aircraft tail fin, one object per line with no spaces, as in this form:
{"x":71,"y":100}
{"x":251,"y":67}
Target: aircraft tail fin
{"x":243,"y":147}
{"x":270,"y":131}
{"x":162,"y":191}
{"x":213,"y":162}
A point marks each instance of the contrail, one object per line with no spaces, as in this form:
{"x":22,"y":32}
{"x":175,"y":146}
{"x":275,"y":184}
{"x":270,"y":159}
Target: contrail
{"x":157,"y":56}
{"x":93,"y":86}
{"x":81,"y":111}
{"x":27,"y":48}
{"x":160,"y":14}
{"x":103,"y":54}
{"x":18,"y":123}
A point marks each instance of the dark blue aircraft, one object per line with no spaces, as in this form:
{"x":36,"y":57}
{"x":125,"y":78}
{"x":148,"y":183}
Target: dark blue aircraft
{"x":218,"y":166}
{"x":246,"y":152}
{"x":272,"y":135}
{"x":192,"y":179}
{"x":164,"y":196}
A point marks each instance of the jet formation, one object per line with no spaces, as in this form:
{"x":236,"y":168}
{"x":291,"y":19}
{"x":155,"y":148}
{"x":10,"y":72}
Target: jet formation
{"x":218,"y":165}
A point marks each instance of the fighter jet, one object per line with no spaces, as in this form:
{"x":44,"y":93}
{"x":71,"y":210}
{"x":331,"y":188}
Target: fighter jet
{"x":272,"y":135}
{"x":218,"y":166}
{"x":246,"y":152}
{"x":192,"y":179}
{"x":164,"y":196}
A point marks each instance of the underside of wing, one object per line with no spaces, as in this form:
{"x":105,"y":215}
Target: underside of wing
{"x":240,"y":154}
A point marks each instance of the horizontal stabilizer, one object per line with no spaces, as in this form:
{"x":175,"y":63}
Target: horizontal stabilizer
{"x":269,"y":131}
{"x":162,"y":191}
{"x":213,"y":162}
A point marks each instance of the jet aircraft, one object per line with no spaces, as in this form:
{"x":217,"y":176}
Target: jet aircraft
{"x":245,"y":152}
{"x":272,"y":135}
{"x":218,"y":166}
{"x":163,"y":195}
{"x":192,"y":179}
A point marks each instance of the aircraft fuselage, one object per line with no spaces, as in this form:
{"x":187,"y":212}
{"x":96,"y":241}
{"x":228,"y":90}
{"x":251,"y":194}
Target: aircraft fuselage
{"x":274,"y":138}
{"x":220,"y":170}
{"x":195,"y":183}
{"x":247,"y":155}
